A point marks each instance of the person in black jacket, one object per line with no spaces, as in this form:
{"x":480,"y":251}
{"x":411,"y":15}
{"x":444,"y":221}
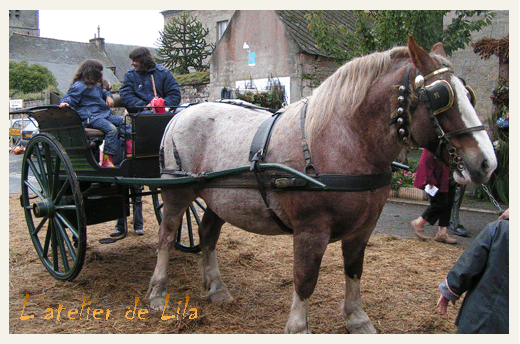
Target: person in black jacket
{"x":482,"y":271}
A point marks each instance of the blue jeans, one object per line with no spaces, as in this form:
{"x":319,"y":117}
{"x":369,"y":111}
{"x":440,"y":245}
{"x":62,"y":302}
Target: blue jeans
{"x":110,"y":127}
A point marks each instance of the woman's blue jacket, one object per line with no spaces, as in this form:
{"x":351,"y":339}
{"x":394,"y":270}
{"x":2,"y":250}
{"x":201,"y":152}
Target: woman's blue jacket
{"x":137,"y":91}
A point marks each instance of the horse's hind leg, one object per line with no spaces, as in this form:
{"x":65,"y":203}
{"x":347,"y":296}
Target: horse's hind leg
{"x":209,"y":232}
{"x":175,"y":204}
{"x":352,"y":307}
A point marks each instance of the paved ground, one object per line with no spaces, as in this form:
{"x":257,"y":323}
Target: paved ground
{"x":395,"y":218}
{"x":398,"y":213}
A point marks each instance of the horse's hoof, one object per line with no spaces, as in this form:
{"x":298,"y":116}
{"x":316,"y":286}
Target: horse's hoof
{"x":359,"y":323}
{"x":295,"y":329}
{"x":157,"y":304}
{"x":221,"y":295}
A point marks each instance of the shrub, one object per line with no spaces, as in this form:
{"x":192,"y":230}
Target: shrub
{"x":29,"y":79}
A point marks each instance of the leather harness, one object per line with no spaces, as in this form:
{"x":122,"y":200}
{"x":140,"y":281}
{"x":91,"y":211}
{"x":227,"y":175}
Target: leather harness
{"x":333,"y":182}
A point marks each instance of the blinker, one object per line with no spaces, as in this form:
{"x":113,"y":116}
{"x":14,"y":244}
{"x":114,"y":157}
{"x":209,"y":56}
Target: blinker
{"x":473,"y":97}
{"x":440,"y":95}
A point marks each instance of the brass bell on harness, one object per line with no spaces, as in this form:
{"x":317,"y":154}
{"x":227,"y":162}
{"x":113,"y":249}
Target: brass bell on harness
{"x":402,"y":131}
{"x":419,"y":81}
{"x":401,"y":99}
{"x":400,"y":120}
{"x":400,"y":111}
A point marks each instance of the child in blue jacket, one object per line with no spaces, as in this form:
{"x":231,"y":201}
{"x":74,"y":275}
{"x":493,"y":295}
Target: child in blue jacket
{"x":93,"y":104}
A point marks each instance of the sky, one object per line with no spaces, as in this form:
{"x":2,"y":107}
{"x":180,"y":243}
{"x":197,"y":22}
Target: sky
{"x":132,"y":27}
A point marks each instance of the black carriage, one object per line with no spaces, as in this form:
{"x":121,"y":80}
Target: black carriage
{"x":65,"y":189}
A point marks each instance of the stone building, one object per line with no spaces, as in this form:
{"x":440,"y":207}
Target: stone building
{"x":24,"y":21}
{"x":258,"y":45}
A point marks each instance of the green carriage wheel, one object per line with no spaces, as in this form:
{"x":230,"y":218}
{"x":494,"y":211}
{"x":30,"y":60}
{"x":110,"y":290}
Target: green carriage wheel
{"x":53,"y":207}
{"x":185,"y":242}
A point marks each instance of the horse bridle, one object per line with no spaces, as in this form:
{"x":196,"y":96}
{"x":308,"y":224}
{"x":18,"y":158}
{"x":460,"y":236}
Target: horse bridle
{"x":437,"y":97}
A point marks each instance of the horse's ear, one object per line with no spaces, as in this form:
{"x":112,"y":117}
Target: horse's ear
{"x":420,"y":57}
{"x":438,"y":49}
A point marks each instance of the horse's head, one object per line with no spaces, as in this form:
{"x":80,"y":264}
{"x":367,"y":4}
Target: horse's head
{"x":443,"y":119}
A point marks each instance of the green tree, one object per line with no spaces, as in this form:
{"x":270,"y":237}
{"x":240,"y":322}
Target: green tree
{"x":29,"y":79}
{"x":182,"y":45}
{"x":382,"y":30}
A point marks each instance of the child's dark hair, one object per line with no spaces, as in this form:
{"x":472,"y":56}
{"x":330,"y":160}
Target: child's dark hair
{"x":89,"y":71}
{"x":143,"y":56}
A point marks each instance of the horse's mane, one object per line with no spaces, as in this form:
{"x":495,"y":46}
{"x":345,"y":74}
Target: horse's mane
{"x":347,"y":87}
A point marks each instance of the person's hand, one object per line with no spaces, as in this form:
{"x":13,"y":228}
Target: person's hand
{"x":442,"y":304}
{"x":110,"y":102}
{"x":63,"y":105}
{"x":505,"y":215}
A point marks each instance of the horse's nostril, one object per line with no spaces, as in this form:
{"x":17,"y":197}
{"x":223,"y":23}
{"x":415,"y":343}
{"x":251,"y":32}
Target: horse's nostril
{"x":486,"y":165}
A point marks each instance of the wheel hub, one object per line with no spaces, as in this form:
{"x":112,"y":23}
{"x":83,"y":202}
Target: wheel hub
{"x":44,"y":208}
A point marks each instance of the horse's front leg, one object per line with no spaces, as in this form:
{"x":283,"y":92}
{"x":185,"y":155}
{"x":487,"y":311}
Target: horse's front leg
{"x":173,"y":212}
{"x":352,"y":306}
{"x":308,"y":253}
{"x":209,"y":232}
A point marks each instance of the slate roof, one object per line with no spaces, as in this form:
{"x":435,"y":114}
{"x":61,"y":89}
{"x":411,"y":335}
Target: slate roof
{"x":62,"y":58}
{"x":118,"y":54}
{"x":296,"y":24}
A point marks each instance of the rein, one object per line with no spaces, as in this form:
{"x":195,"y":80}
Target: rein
{"x":437,"y":97}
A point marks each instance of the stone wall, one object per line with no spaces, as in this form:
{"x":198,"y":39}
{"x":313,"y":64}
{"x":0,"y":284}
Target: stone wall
{"x":313,"y":71}
{"x":194,"y":93}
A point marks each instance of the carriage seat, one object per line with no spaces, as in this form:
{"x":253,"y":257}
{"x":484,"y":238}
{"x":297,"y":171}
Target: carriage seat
{"x":92,"y":133}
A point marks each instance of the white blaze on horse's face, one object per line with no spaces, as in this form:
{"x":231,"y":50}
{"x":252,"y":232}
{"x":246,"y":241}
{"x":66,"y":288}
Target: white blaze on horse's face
{"x":470,"y":119}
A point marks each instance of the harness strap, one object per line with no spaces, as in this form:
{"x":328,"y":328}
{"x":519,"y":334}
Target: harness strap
{"x":256,"y":155}
{"x":464,"y":131}
{"x":271,"y":212}
{"x":261,"y":139}
{"x":305,"y":144}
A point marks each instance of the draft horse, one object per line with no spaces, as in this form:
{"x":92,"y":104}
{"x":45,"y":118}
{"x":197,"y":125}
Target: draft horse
{"x":354,"y":124}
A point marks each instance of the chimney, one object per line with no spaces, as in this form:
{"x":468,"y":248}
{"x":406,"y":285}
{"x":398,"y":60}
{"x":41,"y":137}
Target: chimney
{"x":98,"y":41}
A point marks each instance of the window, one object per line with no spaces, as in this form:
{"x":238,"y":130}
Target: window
{"x":221,"y":27}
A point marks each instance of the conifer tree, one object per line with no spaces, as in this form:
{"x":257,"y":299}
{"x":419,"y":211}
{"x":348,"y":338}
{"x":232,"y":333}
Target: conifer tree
{"x":182,"y":45}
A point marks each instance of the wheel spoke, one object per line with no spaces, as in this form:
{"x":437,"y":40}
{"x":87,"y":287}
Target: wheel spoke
{"x":54,"y":247}
{"x":39,"y":227}
{"x":201,"y":206}
{"x":48,"y":235}
{"x":42,"y":169}
{"x":37,"y":175}
{"x":195,"y":214}
{"x":55,"y":179}
{"x":67,"y":224}
{"x":38,"y":193}
{"x":190,"y":227}
{"x":61,"y":237}
{"x":63,"y":188}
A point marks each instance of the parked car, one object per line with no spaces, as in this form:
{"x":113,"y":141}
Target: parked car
{"x":30,"y":128}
